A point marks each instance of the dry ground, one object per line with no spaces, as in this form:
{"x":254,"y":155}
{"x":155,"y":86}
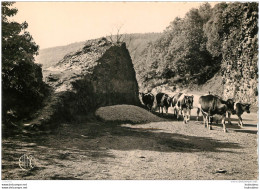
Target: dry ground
{"x":161,"y":149}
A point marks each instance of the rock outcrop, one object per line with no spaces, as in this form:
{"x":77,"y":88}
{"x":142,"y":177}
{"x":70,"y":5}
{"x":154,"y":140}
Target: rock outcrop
{"x":99,"y":74}
{"x":240,"y":76}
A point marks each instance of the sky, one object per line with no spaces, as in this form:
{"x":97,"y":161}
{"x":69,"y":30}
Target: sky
{"x":62,"y":23}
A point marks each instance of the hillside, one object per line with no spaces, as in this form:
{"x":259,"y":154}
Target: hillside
{"x":209,"y":49}
{"x":50,"y":56}
{"x":135,"y":43}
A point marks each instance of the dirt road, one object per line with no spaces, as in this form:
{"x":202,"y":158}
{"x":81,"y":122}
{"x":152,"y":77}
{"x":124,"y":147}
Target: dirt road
{"x":163,"y":149}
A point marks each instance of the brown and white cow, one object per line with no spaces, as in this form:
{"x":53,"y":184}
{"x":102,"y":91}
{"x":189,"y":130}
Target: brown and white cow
{"x":183,"y":106}
{"x":210,"y":105}
{"x":175,"y":99}
{"x":239,"y":109}
{"x":163,"y":101}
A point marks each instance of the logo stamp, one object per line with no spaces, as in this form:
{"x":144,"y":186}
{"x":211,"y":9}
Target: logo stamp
{"x":26,"y":162}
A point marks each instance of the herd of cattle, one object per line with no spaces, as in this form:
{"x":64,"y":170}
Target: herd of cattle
{"x":208,"y":105}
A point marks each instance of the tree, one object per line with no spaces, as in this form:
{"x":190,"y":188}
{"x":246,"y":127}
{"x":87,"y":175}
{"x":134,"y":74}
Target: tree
{"x":22,"y":87}
{"x":187,"y":54}
{"x":214,"y":32}
{"x":180,"y":54}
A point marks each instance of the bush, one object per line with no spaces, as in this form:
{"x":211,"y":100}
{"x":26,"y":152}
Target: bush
{"x":23,"y":90}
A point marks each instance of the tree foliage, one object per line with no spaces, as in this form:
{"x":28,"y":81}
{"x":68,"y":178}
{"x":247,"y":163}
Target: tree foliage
{"x":193,"y":49}
{"x":22,"y":86}
{"x":180,"y":54}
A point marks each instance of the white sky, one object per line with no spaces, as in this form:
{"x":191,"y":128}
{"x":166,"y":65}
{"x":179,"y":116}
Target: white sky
{"x":61,"y":23}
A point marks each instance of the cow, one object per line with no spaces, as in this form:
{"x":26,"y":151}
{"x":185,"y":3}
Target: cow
{"x":183,"y":106}
{"x":175,"y":99}
{"x":210,"y":105}
{"x":147,"y":99}
{"x":211,"y":117}
{"x":163,"y":101}
{"x":239,"y":109}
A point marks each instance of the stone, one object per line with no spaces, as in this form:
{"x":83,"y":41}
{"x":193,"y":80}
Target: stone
{"x":100,"y":74}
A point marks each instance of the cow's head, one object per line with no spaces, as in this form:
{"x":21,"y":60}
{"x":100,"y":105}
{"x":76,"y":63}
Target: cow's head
{"x":188,"y":101}
{"x":230,"y":105}
{"x":246,"y":108}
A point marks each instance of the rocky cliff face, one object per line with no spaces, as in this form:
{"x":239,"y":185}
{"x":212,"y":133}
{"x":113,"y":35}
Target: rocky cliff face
{"x":240,"y":60}
{"x":100,"y":74}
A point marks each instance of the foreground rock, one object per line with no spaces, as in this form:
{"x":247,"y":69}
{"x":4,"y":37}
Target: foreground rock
{"x":100,"y":74}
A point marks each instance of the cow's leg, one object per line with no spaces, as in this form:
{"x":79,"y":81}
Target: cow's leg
{"x":223,"y":122}
{"x":240,"y":120}
{"x":162,"y":110}
{"x":189,"y":113}
{"x":229,"y":119}
{"x":178,"y":113}
{"x":184,"y":113}
{"x":209,"y":121}
{"x":204,"y":119}
{"x":175,"y":111}
{"x":198,"y":113}
{"x":166,"y":110}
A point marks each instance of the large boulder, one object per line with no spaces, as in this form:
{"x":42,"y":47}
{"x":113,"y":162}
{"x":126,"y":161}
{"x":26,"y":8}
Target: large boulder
{"x":99,"y":74}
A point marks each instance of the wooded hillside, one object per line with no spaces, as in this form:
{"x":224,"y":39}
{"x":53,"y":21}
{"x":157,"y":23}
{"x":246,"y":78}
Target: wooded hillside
{"x":205,"y":42}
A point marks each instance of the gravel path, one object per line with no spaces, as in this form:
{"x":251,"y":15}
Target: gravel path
{"x":157,"y":149}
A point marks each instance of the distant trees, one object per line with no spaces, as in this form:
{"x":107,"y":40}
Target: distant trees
{"x":22,"y":87}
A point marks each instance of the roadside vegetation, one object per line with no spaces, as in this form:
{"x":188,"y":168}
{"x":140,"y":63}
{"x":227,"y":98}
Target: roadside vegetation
{"x":23,"y":90}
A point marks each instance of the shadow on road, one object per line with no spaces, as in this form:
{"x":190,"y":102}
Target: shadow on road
{"x":101,"y":136}
{"x":73,"y":142}
{"x":246,"y":131}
